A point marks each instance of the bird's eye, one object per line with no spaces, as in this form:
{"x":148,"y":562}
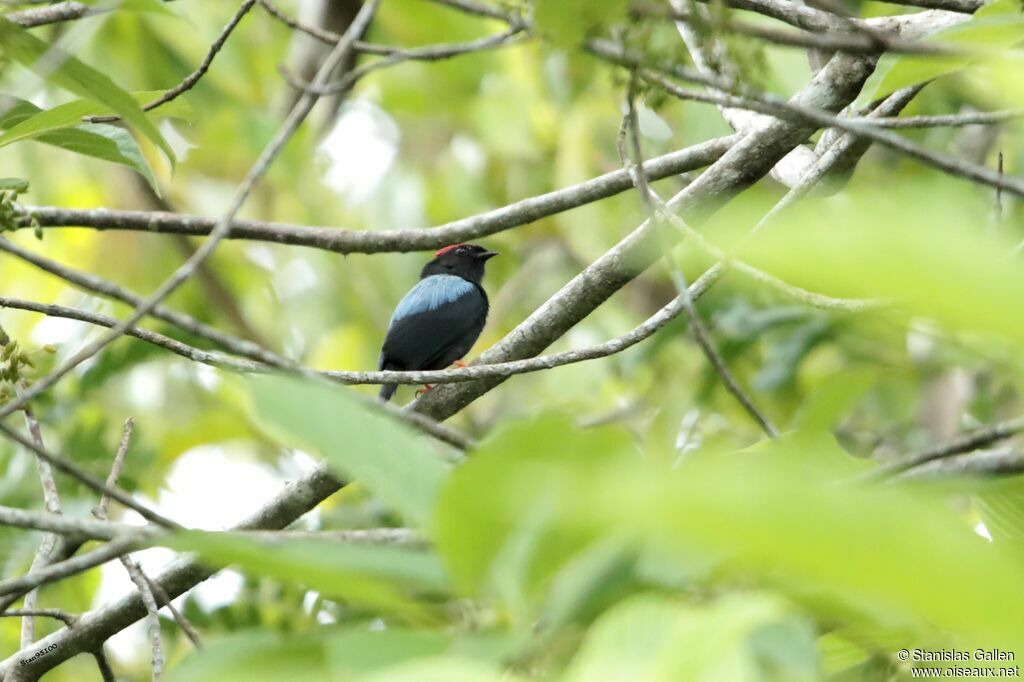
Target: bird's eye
{"x":461,"y":251}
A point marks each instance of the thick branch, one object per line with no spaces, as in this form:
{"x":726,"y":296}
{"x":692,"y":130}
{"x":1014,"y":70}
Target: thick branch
{"x":340,"y":240}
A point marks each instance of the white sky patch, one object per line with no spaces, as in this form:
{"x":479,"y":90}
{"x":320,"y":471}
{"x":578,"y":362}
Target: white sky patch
{"x":294,"y":279}
{"x":57,"y":330}
{"x":145,"y":387}
{"x":468,"y":153}
{"x":262,"y":255}
{"x":359,"y":150}
{"x":207,"y":377}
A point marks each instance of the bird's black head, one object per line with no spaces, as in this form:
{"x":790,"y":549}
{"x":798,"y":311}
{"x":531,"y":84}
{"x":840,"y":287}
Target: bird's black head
{"x":464,"y":260}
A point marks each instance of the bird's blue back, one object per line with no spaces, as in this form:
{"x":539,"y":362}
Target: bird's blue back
{"x":430,"y":293}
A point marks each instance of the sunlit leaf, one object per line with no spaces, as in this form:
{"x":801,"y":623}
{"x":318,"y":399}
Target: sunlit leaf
{"x":24,"y":120}
{"x":74,"y":75}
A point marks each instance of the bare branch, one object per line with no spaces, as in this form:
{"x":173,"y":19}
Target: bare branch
{"x":340,"y":240}
{"x":65,"y":525}
{"x":444,"y":376}
{"x":965,"y":6}
{"x":1006,"y":461}
{"x":56,"y":614}
{"x":946,"y":121}
{"x":152,"y":615}
{"x":51,"y":500}
{"x":69,"y":567}
{"x":972,"y":441}
{"x":100,"y":511}
{"x":60,"y":11}
{"x":747,"y":161}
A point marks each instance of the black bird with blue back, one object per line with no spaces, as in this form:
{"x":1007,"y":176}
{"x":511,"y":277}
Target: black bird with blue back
{"x":440,"y":319}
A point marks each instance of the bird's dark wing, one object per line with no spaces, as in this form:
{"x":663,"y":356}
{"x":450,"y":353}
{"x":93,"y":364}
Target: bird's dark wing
{"x":436,"y":323}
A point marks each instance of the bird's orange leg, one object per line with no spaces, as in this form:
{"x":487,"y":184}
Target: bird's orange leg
{"x":460,"y":363}
{"x":426,"y":387}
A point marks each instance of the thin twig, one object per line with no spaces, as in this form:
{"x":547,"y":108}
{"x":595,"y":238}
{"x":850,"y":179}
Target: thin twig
{"x":100,"y":511}
{"x":162,"y":598}
{"x":972,"y":441}
{"x":106,"y":672}
{"x":56,"y":614}
{"x":138,"y":576}
{"x":66,"y":525}
{"x":445,"y":376}
{"x":190,"y":81}
{"x":152,"y":615}
{"x":997,"y":209}
{"x":73,"y":566}
{"x":631,"y":128}
{"x":51,"y":500}
{"x":945,"y":120}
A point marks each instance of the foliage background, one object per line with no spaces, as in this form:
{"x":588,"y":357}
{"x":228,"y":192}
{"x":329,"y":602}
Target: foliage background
{"x":779,"y":581}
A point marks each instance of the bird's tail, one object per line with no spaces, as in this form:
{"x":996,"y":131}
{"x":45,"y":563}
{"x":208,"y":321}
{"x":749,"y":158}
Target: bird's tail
{"x":386,"y":390}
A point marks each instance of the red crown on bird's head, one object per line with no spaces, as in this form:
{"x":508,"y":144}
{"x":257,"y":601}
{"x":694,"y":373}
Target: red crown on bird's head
{"x":446,"y":249}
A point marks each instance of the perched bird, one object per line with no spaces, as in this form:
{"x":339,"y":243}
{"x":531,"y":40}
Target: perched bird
{"x":439,"y":320}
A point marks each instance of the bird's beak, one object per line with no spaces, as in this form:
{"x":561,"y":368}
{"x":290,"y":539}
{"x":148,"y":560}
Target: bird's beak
{"x":487,"y":255}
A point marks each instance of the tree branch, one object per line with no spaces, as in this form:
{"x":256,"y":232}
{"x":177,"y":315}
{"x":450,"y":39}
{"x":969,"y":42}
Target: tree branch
{"x":345,"y":241}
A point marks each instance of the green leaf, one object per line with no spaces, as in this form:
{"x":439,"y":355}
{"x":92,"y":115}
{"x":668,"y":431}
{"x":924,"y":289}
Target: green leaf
{"x":1001,"y":505}
{"x":476,"y":532}
{"x":741,"y":638}
{"x":358,"y":440}
{"x":998,"y":28}
{"x":17,"y":185}
{"x":101,"y":141}
{"x":785,"y":514}
{"x":381,"y":577}
{"x":74,"y":75}
{"x":919,"y":245}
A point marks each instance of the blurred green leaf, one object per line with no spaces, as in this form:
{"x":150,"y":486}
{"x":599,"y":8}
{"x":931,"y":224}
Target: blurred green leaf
{"x":740,"y":638}
{"x":918,"y":246}
{"x":379,"y":576}
{"x":1001,"y":505}
{"x":786,"y":513}
{"x":474,"y":524}
{"x":18,"y":185}
{"x":358,"y":440}
{"x":996,"y":26}
{"x":74,"y":75}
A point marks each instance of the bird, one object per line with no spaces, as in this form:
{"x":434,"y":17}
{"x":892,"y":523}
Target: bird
{"x":439,"y":320}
